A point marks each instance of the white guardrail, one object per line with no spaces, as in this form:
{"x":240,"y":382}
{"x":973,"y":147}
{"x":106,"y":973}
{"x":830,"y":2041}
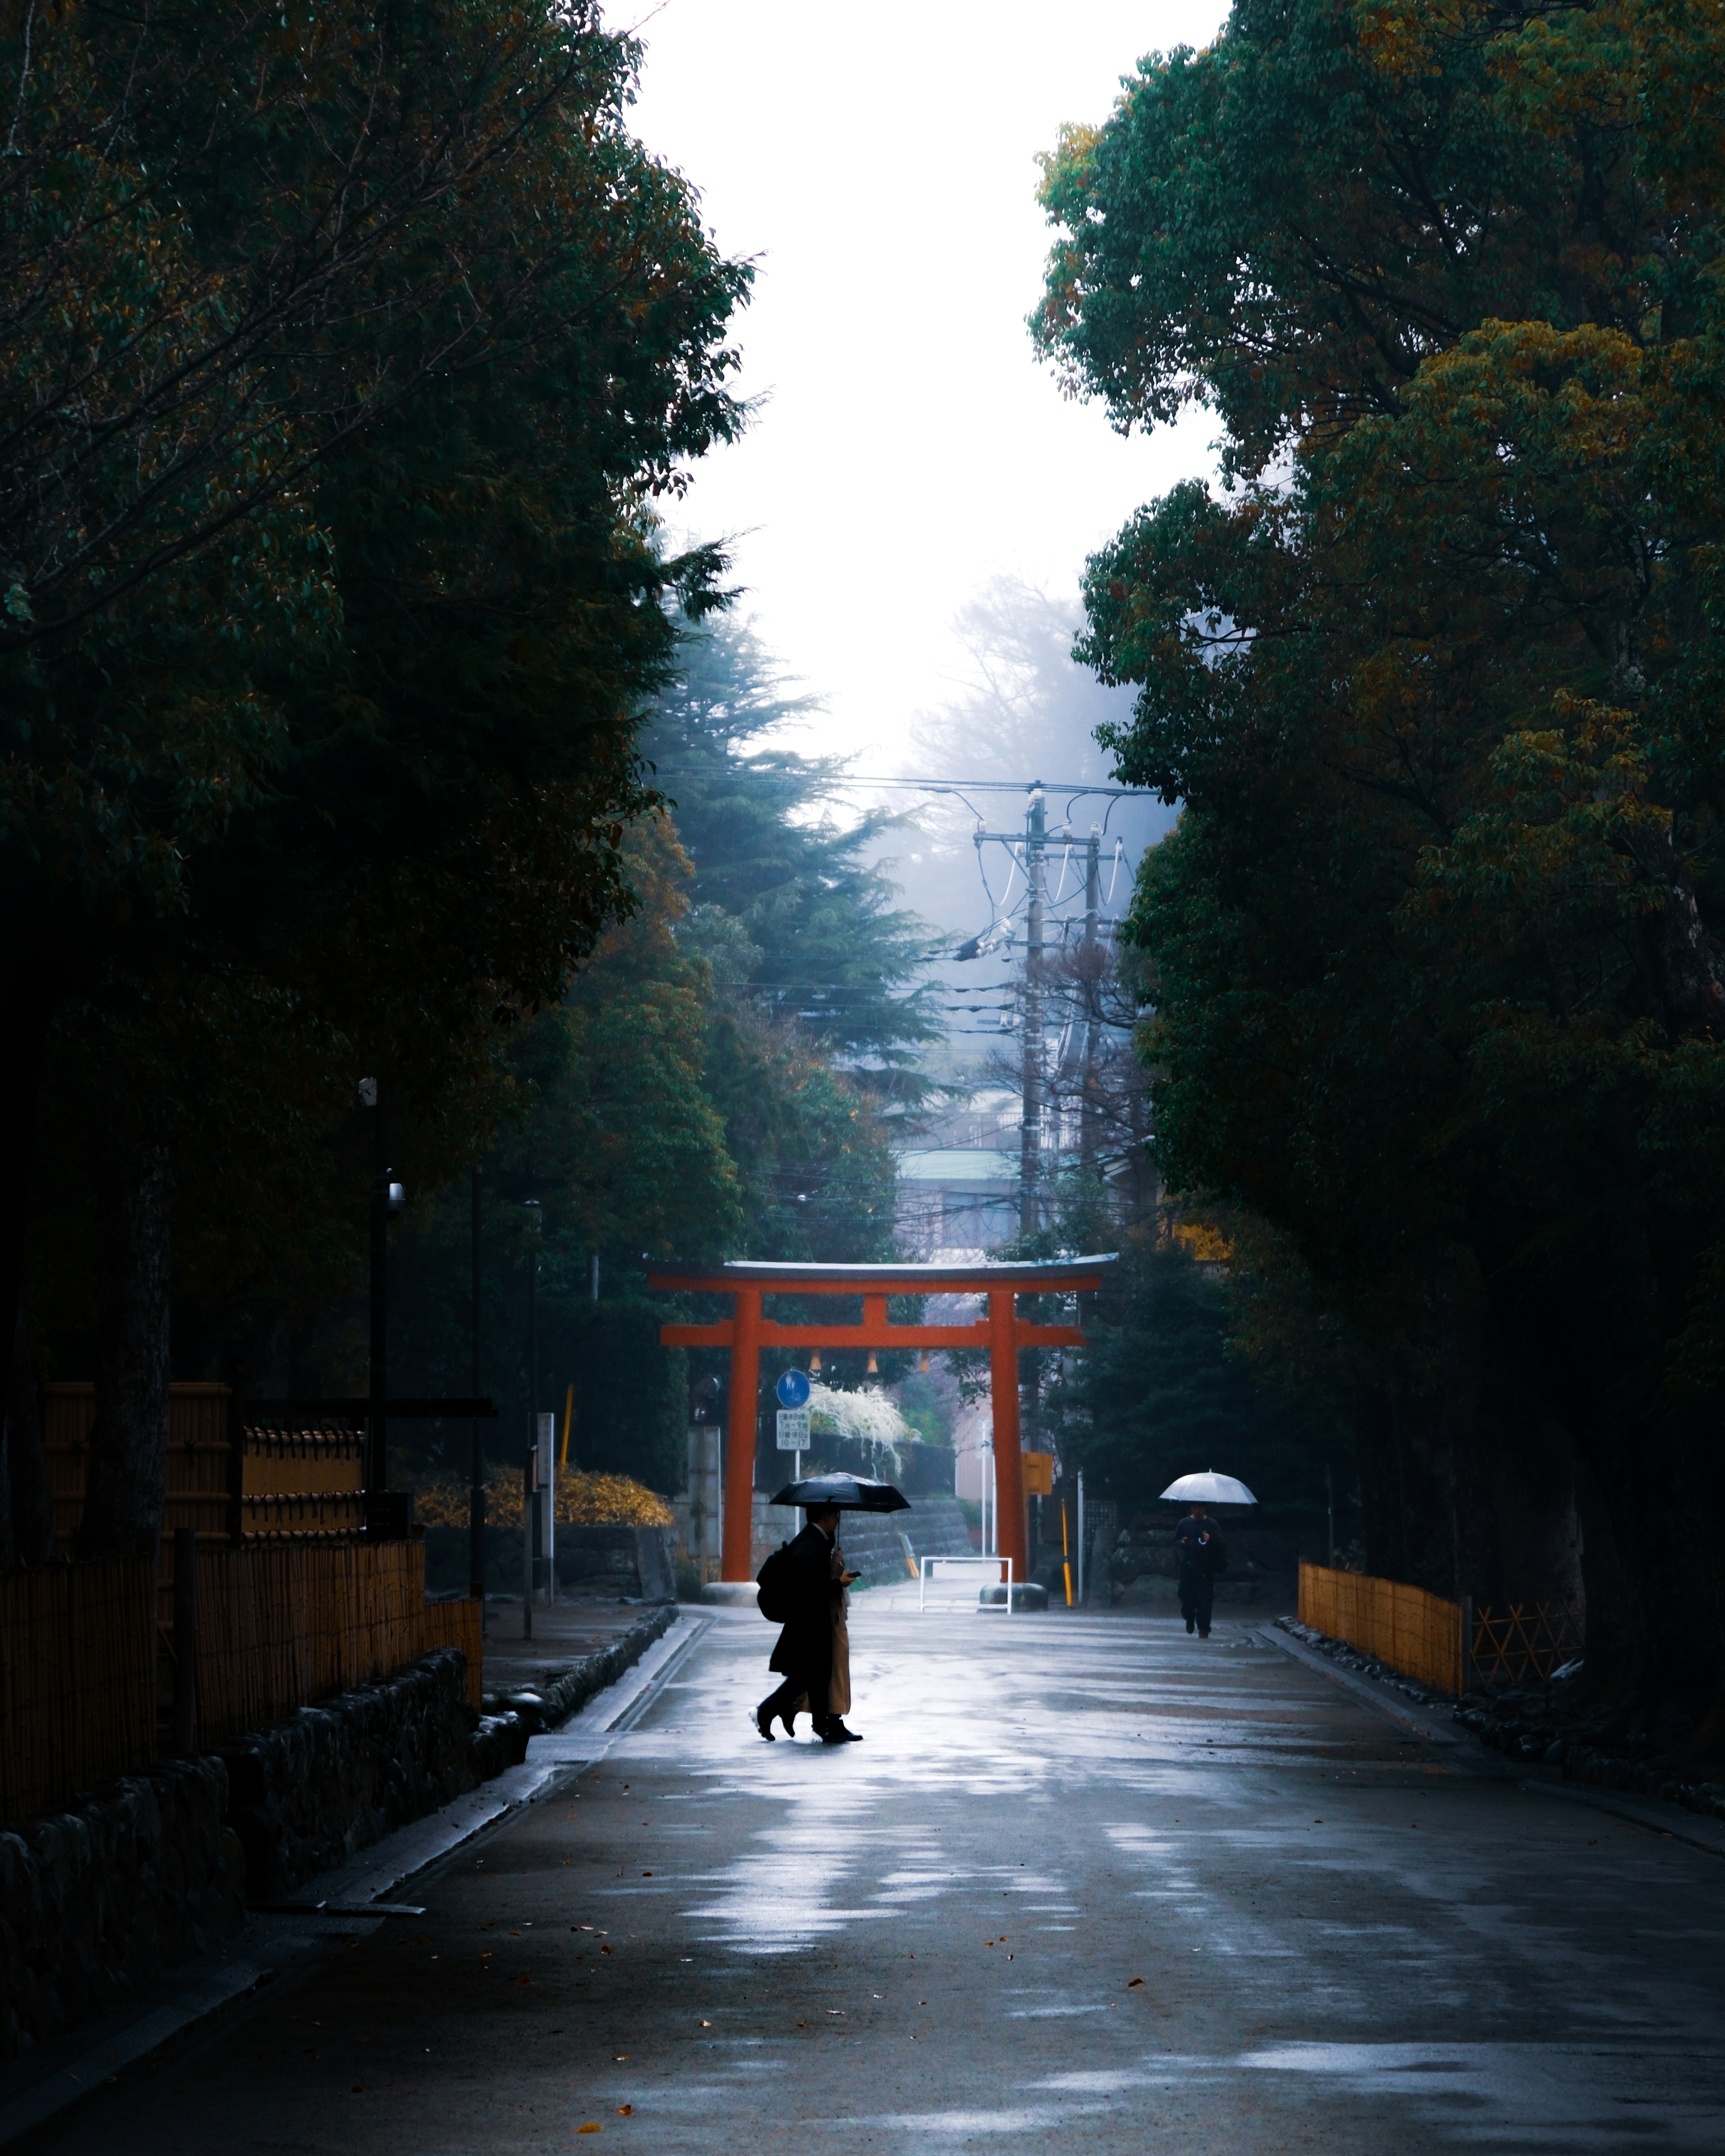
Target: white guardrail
{"x":992,"y":1565}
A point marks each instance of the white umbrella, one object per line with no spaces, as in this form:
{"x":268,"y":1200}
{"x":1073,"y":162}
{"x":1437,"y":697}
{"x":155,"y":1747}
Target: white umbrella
{"x":1210,"y":1488}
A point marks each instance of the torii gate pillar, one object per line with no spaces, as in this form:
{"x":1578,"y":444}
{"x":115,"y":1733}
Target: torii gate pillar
{"x":1012,"y":1532}
{"x":1002,"y":1332}
{"x":740,"y":1435}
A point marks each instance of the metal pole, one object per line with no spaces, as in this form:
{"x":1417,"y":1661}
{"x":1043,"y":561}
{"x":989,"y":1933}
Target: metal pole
{"x":1090,"y":1105}
{"x":476,"y":1462}
{"x":531,"y":1482}
{"x":545,"y":1539}
{"x":185,"y":1709}
{"x":530,"y":1499}
{"x":1081,"y":1537}
{"x":534,"y":1580}
{"x":376,"y":1431}
{"x":1030,"y":1132}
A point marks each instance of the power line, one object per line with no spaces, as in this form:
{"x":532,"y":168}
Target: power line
{"x":1073,"y":787}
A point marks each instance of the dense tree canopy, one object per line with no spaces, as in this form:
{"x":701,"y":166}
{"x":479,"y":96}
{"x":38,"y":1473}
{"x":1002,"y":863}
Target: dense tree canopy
{"x":673,"y":1101}
{"x":331,"y":615}
{"x":1438,"y":979}
{"x":823,"y":941}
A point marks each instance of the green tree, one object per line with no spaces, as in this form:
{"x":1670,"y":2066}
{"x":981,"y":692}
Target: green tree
{"x":821,"y":942}
{"x":1437,"y":963}
{"x":419,"y":836}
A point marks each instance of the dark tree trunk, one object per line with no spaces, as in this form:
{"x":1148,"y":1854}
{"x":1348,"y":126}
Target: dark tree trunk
{"x":128,"y":1443}
{"x":23,"y":1475}
{"x":27,"y":1013}
{"x":1422,"y":1476}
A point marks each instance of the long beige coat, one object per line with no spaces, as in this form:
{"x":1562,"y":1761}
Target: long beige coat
{"x":838,"y":1689}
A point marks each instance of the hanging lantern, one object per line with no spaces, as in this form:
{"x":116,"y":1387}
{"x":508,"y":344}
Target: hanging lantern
{"x":874,"y":1369}
{"x":814,"y":1363}
{"x":922,"y":1360}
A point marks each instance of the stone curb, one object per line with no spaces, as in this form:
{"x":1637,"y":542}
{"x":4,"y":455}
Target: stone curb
{"x":568,"y":1693}
{"x":1362,"y":1688}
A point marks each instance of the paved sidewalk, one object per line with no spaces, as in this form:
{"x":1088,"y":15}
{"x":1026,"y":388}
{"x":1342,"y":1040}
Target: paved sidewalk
{"x":564,"y":1633}
{"x":1086,"y":1881}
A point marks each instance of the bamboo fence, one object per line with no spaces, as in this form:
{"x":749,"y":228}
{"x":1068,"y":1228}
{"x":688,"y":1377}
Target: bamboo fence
{"x":299,"y":1485}
{"x":285,"y":1626}
{"x":1524,"y":1640}
{"x":77,"y":1679}
{"x":279,"y":1627}
{"x":1420,"y":1635}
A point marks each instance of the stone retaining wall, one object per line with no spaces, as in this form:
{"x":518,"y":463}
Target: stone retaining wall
{"x":97,"y":1900}
{"x":305,"y":1793}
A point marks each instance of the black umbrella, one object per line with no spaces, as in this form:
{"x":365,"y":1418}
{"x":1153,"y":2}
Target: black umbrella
{"x":850,"y":1493}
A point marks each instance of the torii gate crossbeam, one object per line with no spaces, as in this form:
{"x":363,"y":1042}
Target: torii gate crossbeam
{"x":1002,"y":1332}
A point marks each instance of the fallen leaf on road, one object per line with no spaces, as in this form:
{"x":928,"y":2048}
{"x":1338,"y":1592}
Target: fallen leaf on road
{"x":1135,"y":1983}
{"x":706,"y":2025}
{"x":592,"y":2126}
{"x":524,"y":1980}
{"x":646,"y":1875}
{"x":625,"y":2111}
{"x":604,"y":1949}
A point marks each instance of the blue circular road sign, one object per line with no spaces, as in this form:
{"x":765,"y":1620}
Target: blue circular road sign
{"x":792,"y":1390}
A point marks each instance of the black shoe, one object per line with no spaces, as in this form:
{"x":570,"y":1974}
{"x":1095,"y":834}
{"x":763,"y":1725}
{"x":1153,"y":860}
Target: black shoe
{"x":1191,"y":1624}
{"x":1203,"y":1631}
{"x":763,"y":1723}
{"x":835,"y":1732}
{"x":790,"y":1724}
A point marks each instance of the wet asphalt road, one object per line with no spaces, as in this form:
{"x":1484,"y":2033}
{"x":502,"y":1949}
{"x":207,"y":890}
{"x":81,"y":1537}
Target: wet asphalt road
{"x":1087,"y":1884}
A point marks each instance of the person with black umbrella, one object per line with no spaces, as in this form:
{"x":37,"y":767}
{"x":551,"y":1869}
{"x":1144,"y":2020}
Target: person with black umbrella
{"x":808,"y":1588}
{"x":802,"y":1588}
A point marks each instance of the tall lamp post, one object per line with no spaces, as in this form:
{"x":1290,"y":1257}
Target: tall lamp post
{"x":476,"y":1468}
{"x":532,"y":1560}
{"x":388,"y":1197}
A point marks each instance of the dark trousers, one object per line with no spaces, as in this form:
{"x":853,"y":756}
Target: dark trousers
{"x":1198,"y":1591}
{"x":794,"y":1693}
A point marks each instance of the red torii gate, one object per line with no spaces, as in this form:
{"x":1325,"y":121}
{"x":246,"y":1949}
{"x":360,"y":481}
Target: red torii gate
{"x":1002,"y":1332}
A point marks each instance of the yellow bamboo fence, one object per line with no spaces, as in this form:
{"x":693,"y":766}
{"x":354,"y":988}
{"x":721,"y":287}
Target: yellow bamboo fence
{"x":1420,"y":1635}
{"x":77,"y":1680}
{"x":283,"y":1627}
{"x":198,"y":1459}
{"x":302,"y":1485}
{"x":279,"y":1627}
{"x":293,"y":1605}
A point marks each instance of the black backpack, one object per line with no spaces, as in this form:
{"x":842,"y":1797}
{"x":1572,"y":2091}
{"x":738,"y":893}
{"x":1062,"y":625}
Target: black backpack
{"x":777,"y":1582}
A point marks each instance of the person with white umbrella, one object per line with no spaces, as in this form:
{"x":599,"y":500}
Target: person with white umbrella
{"x":1198,"y":1540}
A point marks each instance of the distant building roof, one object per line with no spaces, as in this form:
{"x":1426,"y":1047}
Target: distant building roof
{"x":959,"y":1164}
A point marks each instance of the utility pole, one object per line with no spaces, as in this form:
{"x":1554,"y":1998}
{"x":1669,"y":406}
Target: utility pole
{"x":376,"y":1431}
{"x":1030,"y":1129}
{"x":1089,"y":1103}
{"x":531,"y":1561}
{"x":476,"y":1468}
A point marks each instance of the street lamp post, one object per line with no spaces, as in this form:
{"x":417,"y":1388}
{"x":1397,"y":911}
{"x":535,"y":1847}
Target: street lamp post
{"x":388,"y":1197}
{"x":476,"y":1468}
{"x":533,"y":1562}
